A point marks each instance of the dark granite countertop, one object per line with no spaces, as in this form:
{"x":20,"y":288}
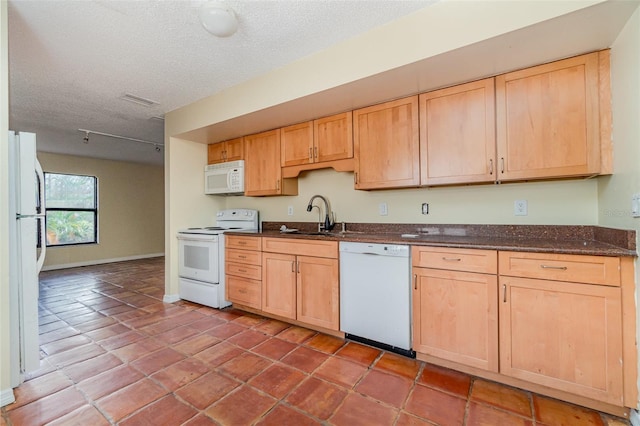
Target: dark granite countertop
{"x":562,"y":239}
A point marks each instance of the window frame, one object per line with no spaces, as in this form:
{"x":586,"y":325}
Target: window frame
{"x":94,"y":210}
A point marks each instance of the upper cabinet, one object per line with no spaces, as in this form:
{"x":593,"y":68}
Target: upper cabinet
{"x":321,"y":143}
{"x":221,"y":152}
{"x":297,"y":144}
{"x":263,"y":175}
{"x":549,"y":119}
{"x":386,"y":146}
{"x":457,"y":134}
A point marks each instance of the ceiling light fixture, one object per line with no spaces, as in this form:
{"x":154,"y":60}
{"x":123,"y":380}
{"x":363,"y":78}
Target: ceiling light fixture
{"x":88,"y":132}
{"x":138,"y":100}
{"x":218,"y":19}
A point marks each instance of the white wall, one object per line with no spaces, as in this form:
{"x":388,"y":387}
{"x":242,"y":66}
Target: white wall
{"x":615,"y":192}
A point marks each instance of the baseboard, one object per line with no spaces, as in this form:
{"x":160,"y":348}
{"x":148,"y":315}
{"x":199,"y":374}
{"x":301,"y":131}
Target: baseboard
{"x":634,"y":417}
{"x":6,"y":397}
{"x":100,"y":261}
{"x":171,"y":298}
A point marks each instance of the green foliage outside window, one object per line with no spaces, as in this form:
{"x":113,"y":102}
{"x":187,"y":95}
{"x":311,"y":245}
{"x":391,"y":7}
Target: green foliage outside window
{"x":71,"y":208}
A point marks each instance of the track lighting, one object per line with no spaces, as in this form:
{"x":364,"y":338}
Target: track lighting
{"x":87,"y":132}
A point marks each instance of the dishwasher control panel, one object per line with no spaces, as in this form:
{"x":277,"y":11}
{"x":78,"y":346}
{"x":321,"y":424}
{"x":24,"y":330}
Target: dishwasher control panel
{"x":394,"y":250}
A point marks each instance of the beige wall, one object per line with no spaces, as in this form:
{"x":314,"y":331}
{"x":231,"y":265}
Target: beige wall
{"x":186,"y":206}
{"x":5,"y":365}
{"x":130,"y":210}
{"x":615,"y":191}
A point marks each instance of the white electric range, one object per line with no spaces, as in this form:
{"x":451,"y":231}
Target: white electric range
{"x":201,"y":256}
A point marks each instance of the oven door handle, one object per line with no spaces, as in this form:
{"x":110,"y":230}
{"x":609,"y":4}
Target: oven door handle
{"x":207,"y":239}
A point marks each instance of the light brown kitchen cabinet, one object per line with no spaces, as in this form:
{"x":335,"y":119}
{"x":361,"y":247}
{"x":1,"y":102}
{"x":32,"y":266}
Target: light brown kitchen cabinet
{"x":455,"y":305}
{"x":457,"y":134}
{"x":565,"y":335}
{"x":300,"y":280}
{"x":321,"y":143}
{"x":243,"y":270}
{"x":386,"y":145}
{"x":231,"y":150}
{"x":263,"y":175}
{"x":548,"y":119}
{"x":297,"y":144}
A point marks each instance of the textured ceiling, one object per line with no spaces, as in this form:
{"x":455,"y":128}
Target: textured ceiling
{"x":71,"y":61}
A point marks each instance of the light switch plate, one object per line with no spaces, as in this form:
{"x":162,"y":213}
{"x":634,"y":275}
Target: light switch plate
{"x":290,"y":210}
{"x":425,"y":208}
{"x":382,"y":209}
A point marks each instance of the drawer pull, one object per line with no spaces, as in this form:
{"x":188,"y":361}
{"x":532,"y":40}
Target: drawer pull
{"x":242,"y":256}
{"x":242,"y":270}
{"x":559,"y":268}
{"x":242,"y":291}
{"x":451,"y":259}
{"x":242,"y":243}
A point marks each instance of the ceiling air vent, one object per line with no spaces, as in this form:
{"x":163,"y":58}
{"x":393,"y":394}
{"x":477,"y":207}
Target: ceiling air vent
{"x":138,"y":100}
{"x":159,"y":118}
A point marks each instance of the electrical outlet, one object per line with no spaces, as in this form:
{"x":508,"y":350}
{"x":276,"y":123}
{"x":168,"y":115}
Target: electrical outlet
{"x":635,"y":205}
{"x":382,"y":209}
{"x":290,"y":210}
{"x":425,"y":208}
{"x":520,"y":208}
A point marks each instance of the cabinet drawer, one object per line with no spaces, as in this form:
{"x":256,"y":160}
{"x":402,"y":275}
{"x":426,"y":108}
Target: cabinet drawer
{"x":243,"y":256}
{"x":249,"y":243}
{"x":242,"y":270}
{"x":317,"y":248}
{"x":468,"y":260}
{"x":561,"y":267}
{"x":244,"y":292}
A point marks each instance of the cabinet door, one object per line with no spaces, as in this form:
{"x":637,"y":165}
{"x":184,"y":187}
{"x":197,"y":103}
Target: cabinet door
{"x":318,"y":292}
{"x":457,"y":134}
{"x":386,"y":146}
{"x":548,"y":120}
{"x":455,"y":316}
{"x":279,"y":284}
{"x":234,"y":149}
{"x":215,"y":153}
{"x":333,"y":137}
{"x":563,"y":335}
{"x":297,"y":144}
{"x":262,"y":174}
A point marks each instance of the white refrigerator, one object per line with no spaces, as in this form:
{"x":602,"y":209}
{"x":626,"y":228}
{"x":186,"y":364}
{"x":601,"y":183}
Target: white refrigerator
{"x":26,"y":225}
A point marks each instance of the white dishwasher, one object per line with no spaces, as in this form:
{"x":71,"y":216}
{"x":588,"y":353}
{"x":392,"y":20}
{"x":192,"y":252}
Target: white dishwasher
{"x":375,"y":295}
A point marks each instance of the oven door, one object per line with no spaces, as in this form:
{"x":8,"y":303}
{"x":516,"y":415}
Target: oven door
{"x":198,"y":257}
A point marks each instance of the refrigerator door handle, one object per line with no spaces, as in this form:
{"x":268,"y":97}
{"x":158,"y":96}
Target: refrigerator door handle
{"x":42,"y":219}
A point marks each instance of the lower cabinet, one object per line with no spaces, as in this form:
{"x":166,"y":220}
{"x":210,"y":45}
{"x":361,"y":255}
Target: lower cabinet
{"x":455,"y":305}
{"x":301,"y":287}
{"x":455,"y":317}
{"x":560,"y":334}
{"x":243,"y":270}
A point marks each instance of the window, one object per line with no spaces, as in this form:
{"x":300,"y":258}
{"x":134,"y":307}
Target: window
{"x":71,"y":205}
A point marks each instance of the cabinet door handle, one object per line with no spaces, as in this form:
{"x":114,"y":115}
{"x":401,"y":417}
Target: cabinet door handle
{"x":298,"y":267}
{"x":559,"y":268}
{"x":415,"y":281}
{"x":315,"y":152}
{"x":355,"y":178}
{"x":504,"y":293}
{"x":491,"y":166}
{"x":502,"y":165}
{"x":310,"y":153}
{"x":451,"y":259}
{"x":293,"y":266}
{"x":278,"y":185}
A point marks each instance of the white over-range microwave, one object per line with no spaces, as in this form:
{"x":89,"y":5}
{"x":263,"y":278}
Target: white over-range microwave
{"x":224,"y":178}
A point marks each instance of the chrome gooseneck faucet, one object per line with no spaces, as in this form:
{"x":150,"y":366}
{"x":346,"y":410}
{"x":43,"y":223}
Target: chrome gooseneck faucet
{"x":329,"y":218}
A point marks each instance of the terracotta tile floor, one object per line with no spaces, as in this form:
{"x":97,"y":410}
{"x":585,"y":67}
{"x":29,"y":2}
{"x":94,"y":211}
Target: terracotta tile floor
{"x":113,"y":353}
